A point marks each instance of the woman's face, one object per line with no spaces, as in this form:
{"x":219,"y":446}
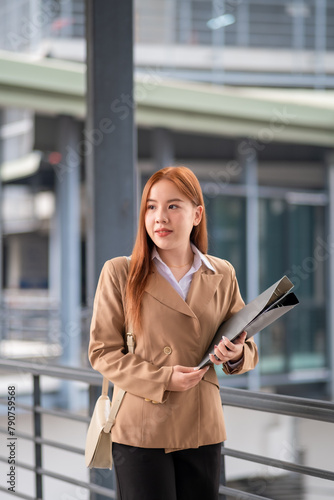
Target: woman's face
{"x":170,"y":216}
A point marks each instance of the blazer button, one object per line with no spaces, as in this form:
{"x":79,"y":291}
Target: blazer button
{"x":148,"y":400}
{"x":167,"y":350}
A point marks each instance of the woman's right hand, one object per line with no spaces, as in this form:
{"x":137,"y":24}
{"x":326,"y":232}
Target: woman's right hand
{"x":185,"y":377}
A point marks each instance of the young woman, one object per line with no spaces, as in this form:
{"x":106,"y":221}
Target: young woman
{"x":173,"y":297}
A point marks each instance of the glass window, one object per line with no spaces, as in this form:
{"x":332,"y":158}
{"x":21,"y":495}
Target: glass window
{"x":227,"y":232}
{"x":289,"y":237}
{"x":291,"y":242}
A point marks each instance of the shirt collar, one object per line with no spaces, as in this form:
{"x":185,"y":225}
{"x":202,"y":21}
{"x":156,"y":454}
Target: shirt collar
{"x":199,"y":258}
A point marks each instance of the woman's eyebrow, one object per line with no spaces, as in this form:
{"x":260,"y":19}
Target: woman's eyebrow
{"x":168,"y":201}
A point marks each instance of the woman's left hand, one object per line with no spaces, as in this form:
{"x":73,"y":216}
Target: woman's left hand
{"x":228,"y":351}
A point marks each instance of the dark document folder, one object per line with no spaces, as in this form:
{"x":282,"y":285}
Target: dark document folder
{"x":259,"y":313}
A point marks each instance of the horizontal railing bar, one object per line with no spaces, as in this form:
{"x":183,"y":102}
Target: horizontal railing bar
{"x":273,"y":403}
{"x":48,"y":411}
{"x":22,"y":406}
{"x":87,"y":375}
{"x":244,"y":395}
{"x":46,"y":442}
{"x":65,"y":447}
{"x":89,"y":486}
{"x":18,"y":494}
{"x":279,"y":464}
{"x":283,"y":405}
{"x":316,"y":403}
{"x":61,"y":414}
{"x":240,"y":495}
{"x":20,"y":464}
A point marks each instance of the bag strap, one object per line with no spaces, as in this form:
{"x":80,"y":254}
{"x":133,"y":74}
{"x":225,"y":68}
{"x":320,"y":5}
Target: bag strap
{"x":130,"y":341}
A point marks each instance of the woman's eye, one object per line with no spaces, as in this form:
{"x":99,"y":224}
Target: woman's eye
{"x":150,"y":207}
{"x":172,"y":207}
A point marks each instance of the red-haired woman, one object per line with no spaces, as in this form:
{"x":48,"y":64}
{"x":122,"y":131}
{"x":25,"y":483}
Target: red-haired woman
{"x":173,"y":296}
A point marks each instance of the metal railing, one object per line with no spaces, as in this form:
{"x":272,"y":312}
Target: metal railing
{"x":238,"y":42}
{"x":99,"y":489}
{"x":240,"y":23}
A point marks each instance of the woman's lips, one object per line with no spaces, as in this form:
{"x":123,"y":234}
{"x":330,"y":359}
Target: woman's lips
{"x":162,"y":232}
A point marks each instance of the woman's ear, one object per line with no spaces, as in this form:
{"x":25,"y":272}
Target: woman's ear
{"x":198,"y":215}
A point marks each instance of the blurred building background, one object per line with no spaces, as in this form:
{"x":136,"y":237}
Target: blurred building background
{"x":240,"y":91}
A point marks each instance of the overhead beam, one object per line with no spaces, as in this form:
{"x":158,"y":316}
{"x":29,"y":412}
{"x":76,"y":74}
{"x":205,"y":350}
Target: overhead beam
{"x":268,"y":115}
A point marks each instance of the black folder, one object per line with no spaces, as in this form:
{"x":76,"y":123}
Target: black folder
{"x":259,"y":313}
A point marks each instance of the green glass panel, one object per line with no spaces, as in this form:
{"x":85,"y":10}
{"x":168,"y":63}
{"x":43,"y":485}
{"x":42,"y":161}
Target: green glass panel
{"x":226,"y":227}
{"x":289,"y":237}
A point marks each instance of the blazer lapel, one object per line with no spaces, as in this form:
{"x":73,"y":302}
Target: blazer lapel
{"x":161,"y":290}
{"x":202,"y":289}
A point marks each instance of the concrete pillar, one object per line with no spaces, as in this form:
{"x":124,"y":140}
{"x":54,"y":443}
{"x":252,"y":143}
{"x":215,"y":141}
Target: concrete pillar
{"x":68,"y":186}
{"x":330,"y":274}
{"x":248,"y":161}
{"x":109,"y":148}
{"x":109,"y":138}
{"x":162,"y":148}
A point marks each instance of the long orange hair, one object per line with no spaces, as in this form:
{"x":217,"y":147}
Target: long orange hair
{"x":186,"y":181}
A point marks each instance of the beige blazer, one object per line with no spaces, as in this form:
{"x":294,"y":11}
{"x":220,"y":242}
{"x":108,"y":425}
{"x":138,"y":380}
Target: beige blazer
{"x":174,"y":332}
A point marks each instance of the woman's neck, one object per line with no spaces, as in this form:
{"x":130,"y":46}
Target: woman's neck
{"x":177,"y":259}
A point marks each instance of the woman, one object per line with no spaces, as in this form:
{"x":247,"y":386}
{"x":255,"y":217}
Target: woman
{"x":169,"y":429}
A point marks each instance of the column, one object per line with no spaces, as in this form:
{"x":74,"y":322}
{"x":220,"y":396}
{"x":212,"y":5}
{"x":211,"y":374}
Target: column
{"x":162,"y":148}
{"x":248,"y":161}
{"x":330,"y":282}
{"x":68,"y":187}
{"x":109,"y":148}
{"x":109,"y":136}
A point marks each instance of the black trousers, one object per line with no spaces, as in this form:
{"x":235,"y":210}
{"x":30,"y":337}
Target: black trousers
{"x":152,"y":474}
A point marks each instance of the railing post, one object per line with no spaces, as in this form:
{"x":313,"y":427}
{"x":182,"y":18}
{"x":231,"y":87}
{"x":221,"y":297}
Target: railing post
{"x":222,"y":474}
{"x":38,"y":434}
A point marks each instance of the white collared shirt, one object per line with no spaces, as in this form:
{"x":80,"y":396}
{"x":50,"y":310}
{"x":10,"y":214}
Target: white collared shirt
{"x":182,"y":286}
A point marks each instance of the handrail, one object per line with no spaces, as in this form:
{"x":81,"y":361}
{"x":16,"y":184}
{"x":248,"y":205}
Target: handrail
{"x":283,"y":405}
{"x":260,"y":401}
{"x":86,"y":375}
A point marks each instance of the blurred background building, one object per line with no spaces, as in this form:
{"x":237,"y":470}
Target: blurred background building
{"x":240,"y":91}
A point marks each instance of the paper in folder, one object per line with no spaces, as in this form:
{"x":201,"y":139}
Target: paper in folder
{"x":259,"y":313}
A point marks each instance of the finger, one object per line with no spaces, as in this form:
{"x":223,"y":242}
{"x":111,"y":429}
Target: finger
{"x":222,"y":349}
{"x":196,"y":373}
{"x":229,"y":346}
{"x":241,"y":338}
{"x":214,"y":360}
{"x":220,"y":354}
{"x":195,"y":377}
{"x":202,"y":370}
{"x":185,"y":369}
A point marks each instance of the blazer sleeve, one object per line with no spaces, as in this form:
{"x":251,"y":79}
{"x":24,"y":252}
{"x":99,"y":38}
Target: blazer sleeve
{"x":107,"y":351}
{"x":250,"y":354}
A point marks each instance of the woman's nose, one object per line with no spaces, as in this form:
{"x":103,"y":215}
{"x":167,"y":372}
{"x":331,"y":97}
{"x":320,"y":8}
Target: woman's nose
{"x":161,"y":217}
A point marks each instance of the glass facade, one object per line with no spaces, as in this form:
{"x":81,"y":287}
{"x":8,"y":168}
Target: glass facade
{"x":292,"y":241}
{"x":227,"y":232}
{"x":289,"y":235}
